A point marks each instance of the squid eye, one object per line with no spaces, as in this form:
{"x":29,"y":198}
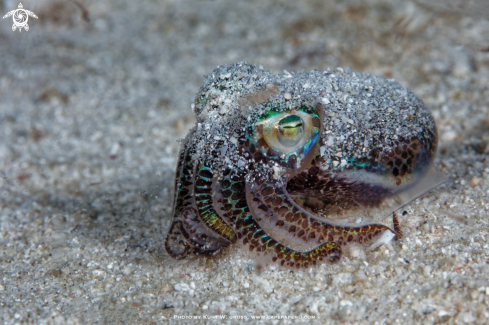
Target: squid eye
{"x":291,"y":130}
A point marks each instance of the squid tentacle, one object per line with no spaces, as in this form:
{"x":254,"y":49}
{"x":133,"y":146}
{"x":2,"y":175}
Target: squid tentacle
{"x":278,"y":213}
{"x":236,"y":208}
{"x":203,"y":199}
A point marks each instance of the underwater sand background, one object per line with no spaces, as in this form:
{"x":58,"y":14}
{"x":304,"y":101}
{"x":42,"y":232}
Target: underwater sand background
{"x":90,"y":115}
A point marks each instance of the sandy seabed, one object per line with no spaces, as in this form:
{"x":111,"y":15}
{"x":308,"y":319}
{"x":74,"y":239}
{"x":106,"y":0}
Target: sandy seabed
{"x":90,"y":115}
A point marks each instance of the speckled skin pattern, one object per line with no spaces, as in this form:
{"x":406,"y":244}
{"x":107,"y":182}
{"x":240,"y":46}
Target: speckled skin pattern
{"x":263,"y":141}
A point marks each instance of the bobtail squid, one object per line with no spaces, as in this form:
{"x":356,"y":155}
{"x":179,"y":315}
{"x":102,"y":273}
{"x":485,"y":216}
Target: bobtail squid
{"x":273,"y":158}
